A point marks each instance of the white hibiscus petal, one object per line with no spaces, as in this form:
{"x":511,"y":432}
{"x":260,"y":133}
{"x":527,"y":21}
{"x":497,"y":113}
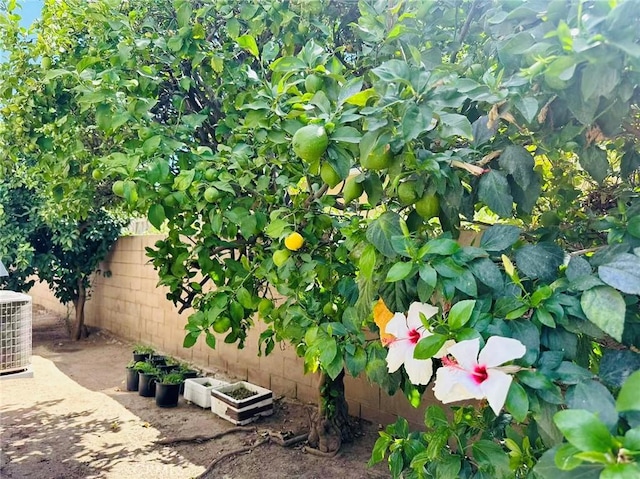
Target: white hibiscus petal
{"x":499,"y":350}
{"x":396,"y":355}
{"x":413,"y":317}
{"x":448,"y":388}
{"x":495,"y":388}
{"x":397,"y":326}
{"x":466,"y":353}
{"x":419,"y":370}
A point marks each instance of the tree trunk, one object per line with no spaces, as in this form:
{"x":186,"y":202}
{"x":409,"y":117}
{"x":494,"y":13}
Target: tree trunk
{"x":79,"y":329}
{"x":330,"y":425}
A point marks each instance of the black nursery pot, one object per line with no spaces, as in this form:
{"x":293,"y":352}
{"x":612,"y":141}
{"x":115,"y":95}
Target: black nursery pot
{"x":140,"y":356}
{"x":147,"y":385}
{"x":166,"y":368}
{"x":133,"y":379}
{"x":167,"y":395}
{"x":190,"y":374}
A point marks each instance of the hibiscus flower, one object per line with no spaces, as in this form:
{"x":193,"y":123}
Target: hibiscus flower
{"x":478,"y":376}
{"x":402,"y":335}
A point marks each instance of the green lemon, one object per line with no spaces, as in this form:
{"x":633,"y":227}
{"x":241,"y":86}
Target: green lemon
{"x":164,"y":191}
{"x":310,"y":142}
{"x":211,"y":194}
{"x":170,"y":200}
{"x":222,"y":325}
{"x":118,"y":188}
{"x":329,"y":175}
{"x":280,"y":257}
{"x":407,"y":192}
{"x":313,"y":83}
{"x":97,"y":174}
{"x":378,"y":159}
{"x":211,"y":174}
{"x":329,"y":309}
{"x":352,"y":190}
{"x":428,"y":206}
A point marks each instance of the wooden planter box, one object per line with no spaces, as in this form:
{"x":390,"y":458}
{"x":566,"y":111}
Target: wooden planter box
{"x":196,"y":392}
{"x":241,"y":411}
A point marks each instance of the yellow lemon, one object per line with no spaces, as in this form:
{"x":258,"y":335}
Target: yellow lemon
{"x":294,"y":241}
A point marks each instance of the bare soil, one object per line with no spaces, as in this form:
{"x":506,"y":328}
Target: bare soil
{"x":44,"y":437}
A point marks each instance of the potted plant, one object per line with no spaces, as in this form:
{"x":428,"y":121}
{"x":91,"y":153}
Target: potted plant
{"x":170,"y":365}
{"x":141,"y":352}
{"x":241,"y":402}
{"x":133,"y":376}
{"x":158,"y":359}
{"x":168,"y":389}
{"x":148,"y":374}
{"x":187,"y":373}
{"x":198,"y":390}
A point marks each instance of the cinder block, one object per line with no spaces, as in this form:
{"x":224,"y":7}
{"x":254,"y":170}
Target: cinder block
{"x":359,"y":389}
{"x":294,"y":370}
{"x":259,"y":377}
{"x":307,"y":394}
{"x":398,"y":404}
{"x":376,"y":416}
{"x":283,"y":387}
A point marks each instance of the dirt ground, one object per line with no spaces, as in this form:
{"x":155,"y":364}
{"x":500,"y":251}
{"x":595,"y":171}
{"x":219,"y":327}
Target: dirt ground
{"x":74,"y":420}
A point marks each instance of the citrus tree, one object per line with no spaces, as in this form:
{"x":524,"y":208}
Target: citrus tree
{"x":57,"y":218}
{"x":315,"y":164}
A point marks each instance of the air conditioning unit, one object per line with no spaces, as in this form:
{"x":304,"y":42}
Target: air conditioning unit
{"x":15,"y":335}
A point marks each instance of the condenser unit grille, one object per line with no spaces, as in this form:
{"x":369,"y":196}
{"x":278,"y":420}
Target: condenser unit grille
{"x":15,"y":332}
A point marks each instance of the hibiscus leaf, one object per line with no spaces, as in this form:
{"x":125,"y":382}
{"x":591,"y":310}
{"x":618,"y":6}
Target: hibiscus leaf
{"x":628,"y":398}
{"x":399,"y":271}
{"x":429,"y":346}
{"x":584,"y":430}
{"x":517,"y":402}
{"x":605,"y":307}
{"x":460,"y":313}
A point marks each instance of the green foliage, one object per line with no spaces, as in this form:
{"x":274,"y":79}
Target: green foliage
{"x":515,"y":120}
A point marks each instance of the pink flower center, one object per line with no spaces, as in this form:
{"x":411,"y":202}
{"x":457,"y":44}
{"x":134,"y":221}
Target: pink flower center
{"x":414,"y":336}
{"x":479,"y":374}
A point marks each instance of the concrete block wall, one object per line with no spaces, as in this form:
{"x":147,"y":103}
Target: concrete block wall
{"x":129,"y":304}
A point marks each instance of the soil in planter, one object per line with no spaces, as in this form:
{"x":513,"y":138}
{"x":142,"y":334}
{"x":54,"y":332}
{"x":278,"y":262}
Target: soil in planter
{"x":240,"y":393}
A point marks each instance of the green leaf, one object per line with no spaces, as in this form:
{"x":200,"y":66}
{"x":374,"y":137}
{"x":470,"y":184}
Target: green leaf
{"x":540,"y":260}
{"x":594,"y":397}
{"x":381,"y":230}
{"x":517,"y":403}
{"x":210,"y":340}
{"x":494,"y":191}
{"x":628,"y":397}
{"x":518,"y":162}
{"x":577,"y":267}
{"x":356,"y":363}
{"x":417,"y":120}
{"x":379,"y":449}
{"x":491,"y":456}
{"x":565,"y":457}
{"x":184,"y":180}
{"x":460,"y":313}
{"x":440,"y":246}
{"x":617,"y":365}
{"x":605,"y":307}
{"x":594,"y":161}
{"x":633,"y":226}
{"x":528,"y":107}
{"x":249,"y":43}
{"x":546,"y":468}
{"x":488,"y":273}
{"x":621,"y":471}
{"x":190,"y":339}
{"x":452,"y":124}
{"x":151,"y":145}
{"x":623,"y":273}
{"x":428,"y":274}
{"x":399,"y":271}
{"x":499,"y":237}
{"x":346,"y":134}
{"x":584,"y":430}
{"x":429,"y":346}
{"x":156,"y":215}
{"x":328,"y":350}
